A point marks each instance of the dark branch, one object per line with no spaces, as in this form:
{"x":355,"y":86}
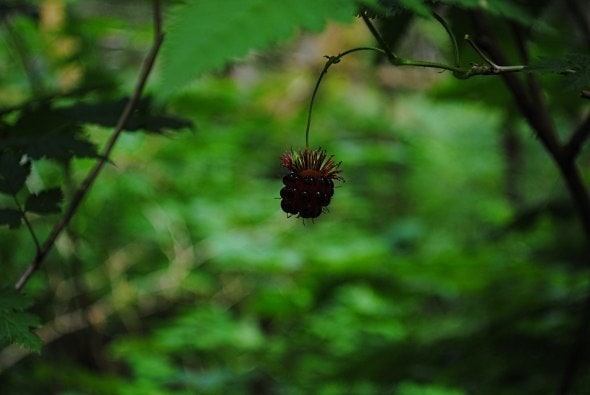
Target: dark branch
{"x":528,"y":103}
{"x":579,"y":137}
{"x":88,"y":182}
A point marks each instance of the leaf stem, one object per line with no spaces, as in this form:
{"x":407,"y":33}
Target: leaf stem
{"x":458,"y":71}
{"x":395,"y":60}
{"x":93,"y":174}
{"x":391,"y":56}
{"x":331,"y":60}
{"x":445,"y":25}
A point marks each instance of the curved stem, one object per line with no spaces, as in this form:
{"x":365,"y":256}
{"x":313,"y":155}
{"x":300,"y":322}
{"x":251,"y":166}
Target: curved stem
{"x":331,"y":60}
{"x":445,"y":25}
{"x":458,"y":71}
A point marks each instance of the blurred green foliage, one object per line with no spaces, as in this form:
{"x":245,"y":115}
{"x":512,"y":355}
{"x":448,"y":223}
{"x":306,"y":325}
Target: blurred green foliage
{"x":450,"y":263}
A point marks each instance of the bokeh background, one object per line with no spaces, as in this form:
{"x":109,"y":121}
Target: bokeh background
{"x":450,"y":261}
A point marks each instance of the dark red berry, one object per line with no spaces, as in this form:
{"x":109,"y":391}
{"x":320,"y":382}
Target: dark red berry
{"x":309,"y":186}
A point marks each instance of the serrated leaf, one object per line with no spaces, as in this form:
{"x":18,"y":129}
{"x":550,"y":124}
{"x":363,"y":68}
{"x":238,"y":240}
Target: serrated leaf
{"x":16,"y":324}
{"x":43,"y":132}
{"x":13,"y":172}
{"x":575,"y":68}
{"x":107,"y":113}
{"x":10,"y":217}
{"x":10,"y":299}
{"x":205,"y":35}
{"x":45,"y":202}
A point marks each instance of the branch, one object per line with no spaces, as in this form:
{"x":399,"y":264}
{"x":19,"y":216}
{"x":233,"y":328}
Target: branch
{"x":535,"y":113}
{"x":462,"y":73}
{"x":579,"y":137}
{"x":91,"y":177}
{"x":495,"y":69}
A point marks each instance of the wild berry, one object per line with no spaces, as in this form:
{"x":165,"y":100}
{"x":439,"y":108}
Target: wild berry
{"x":309,"y":185}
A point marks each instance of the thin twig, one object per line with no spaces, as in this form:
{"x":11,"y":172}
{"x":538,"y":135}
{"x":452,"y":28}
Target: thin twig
{"x":27,"y":223}
{"x":455,"y":45}
{"x":391,"y":56}
{"x":91,"y":177}
{"x":331,"y":60}
{"x":497,"y":68}
{"x":458,"y":71}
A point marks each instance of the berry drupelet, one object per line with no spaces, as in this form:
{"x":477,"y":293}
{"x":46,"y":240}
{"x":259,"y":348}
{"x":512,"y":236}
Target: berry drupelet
{"x":309,"y":186}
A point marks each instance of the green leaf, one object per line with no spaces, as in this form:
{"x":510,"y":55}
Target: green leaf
{"x":13,"y":172}
{"x":10,"y":217}
{"x":575,"y":68}
{"x":205,"y":35}
{"x":15,"y":323}
{"x":505,"y":8}
{"x":416,"y":6}
{"x":43,"y":132}
{"x":45,"y":202}
{"x":510,"y":10}
{"x":107,"y":113}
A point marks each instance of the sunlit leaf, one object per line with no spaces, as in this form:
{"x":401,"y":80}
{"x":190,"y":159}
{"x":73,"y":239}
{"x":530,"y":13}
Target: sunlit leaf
{"x":205,"y":35}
